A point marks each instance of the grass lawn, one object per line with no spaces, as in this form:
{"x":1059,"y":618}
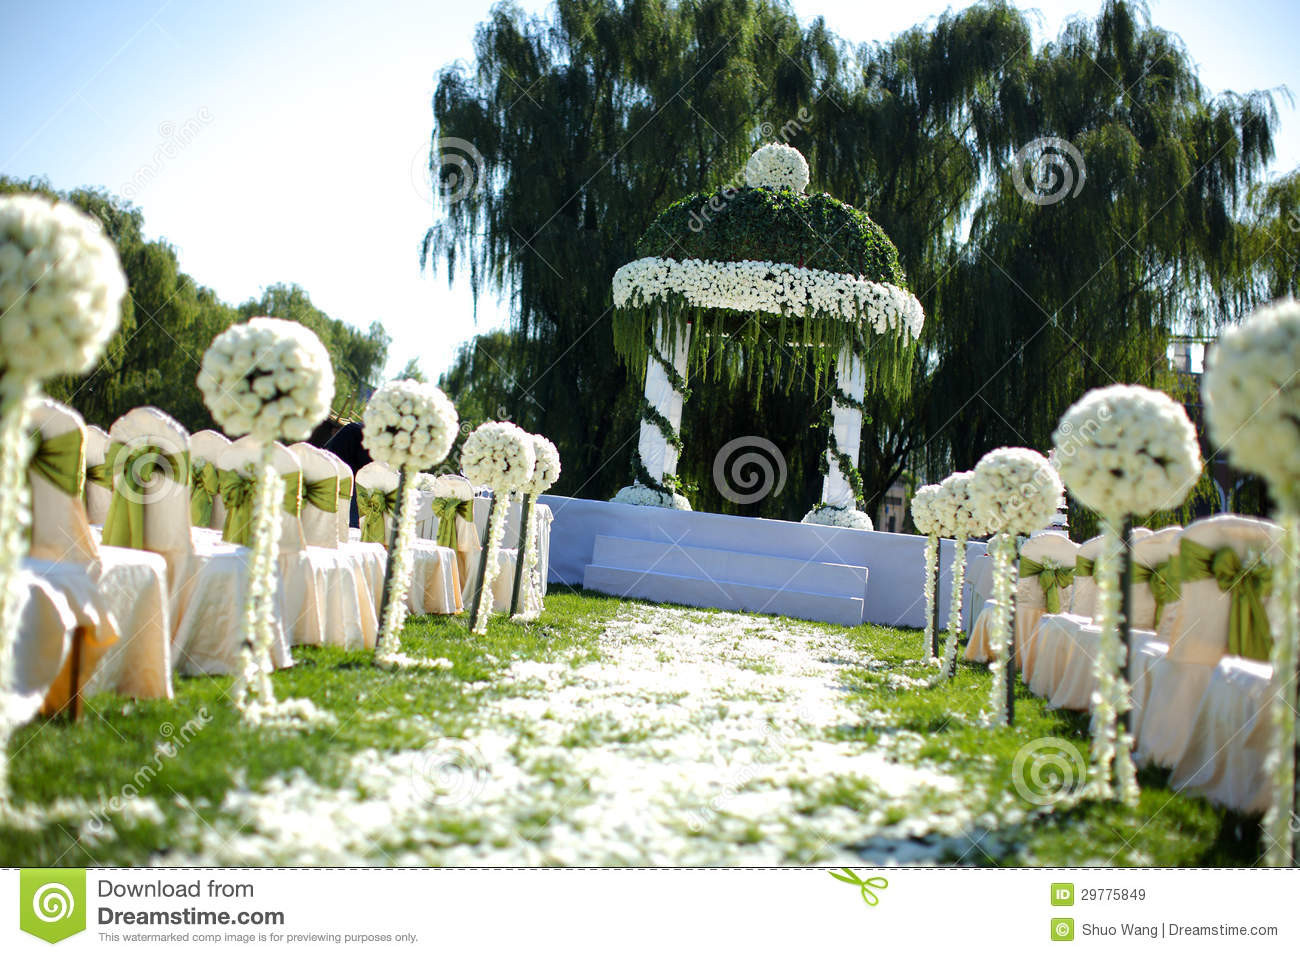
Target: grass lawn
{"x":136,"y":782}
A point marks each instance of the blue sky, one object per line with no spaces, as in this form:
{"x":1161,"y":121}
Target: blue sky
{"x":284,"y":141}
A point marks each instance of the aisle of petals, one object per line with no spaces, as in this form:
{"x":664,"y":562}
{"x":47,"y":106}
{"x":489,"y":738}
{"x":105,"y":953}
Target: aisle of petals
{"x":694,"y":738}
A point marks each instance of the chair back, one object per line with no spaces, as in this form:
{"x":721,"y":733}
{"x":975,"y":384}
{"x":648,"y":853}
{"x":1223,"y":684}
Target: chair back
{"x":343,"y":517}
{"x":1051,"y":550}
{"x":1151,"y":560}
{"x":206,"y":449}
{"x":372,"y":478}
{"x":1083,"y":595}
{"x":320,"y":495}
{"x":99,"y":484}
{"x":159,"y":481}
{"x":1200,"y":635}
{"x":60,"y":531}
{"x":240,"y":461}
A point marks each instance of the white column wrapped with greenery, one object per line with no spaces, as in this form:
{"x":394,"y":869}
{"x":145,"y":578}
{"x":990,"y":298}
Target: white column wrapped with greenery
{"x":955,"y":511}
{"x":545,"y":474}
{"x":842,"y":487}
{"x":1252,"y":401}
{"x":271,"y":379}
{"x":926,"y":521}
{"x":501,"y":456}
{"x":1123,"y":450}
{"x":409,"y":426}
{"x":1016,"y":492}
{"x":61,"y":290}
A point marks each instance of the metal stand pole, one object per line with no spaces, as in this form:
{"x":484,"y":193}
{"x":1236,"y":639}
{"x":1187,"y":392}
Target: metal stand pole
{"x":398,"y":514}
{"x":525,"y":516}
{"x":482,"y":563}
{"x":1126,"y":614}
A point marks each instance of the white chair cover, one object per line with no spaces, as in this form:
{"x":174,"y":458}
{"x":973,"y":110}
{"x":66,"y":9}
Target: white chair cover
{"x":377,"y":475}
{"x":1046,"y":548}
{"x":346,"y":480}
{"x":1055,"y":638}
{"x":132,"y":584}
{"x":1153,"y":642}
{"x":97,"y":497}
{"x":319,"y":527}
{"x":209,"y":446}
{"x":979,"y":586}
{"x":1178,"y":680}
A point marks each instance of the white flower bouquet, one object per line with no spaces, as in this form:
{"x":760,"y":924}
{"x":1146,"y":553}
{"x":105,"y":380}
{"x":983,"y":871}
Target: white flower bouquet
{"x":409,"y":425}
{"x":777,"y":166}
{"x":839,"y":516}
{"x":545,"y":474}
{"x":269,"y":378}
{"x":954,"y":510}
{"x":927,"y":523}
{"x":638,"y":494}
{"x":501,"y":456}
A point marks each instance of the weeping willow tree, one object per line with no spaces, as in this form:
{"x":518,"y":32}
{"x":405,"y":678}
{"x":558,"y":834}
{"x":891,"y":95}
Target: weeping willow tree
{"x":591,"y":120}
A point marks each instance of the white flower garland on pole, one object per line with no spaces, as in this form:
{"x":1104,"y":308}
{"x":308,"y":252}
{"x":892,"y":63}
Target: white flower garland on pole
{"x":409,"y":426}
{"x":954,"y":511}
{"x":926,"y":522}
{"x":1016,"y":492}
{"x":271,"y":379}
{"x":1123,"y":450}
{"x":61,"y":291}
{"x":545,"y":474}
{"x":501,"y":456}
{"x":1253,"y":407}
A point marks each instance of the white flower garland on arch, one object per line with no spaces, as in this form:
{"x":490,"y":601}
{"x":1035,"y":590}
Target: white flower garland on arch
{"x":408,"y":426}
{"x":1016,"y":492}
{"x":271,"y":379}
{"x":1122,"y":450}
{"x":501,"y":456}
{"x":1253,"y":408}
{"x":769,"y":287}
{"x":61,"y":291}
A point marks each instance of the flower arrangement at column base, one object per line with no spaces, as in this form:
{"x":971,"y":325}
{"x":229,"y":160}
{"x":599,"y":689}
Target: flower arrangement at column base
{"x":61,"y":291}
{"x":839,"y":516}
{"x":1253,"y":408}
{"x":409,"y":426}
{"x":1123,"y":450}
{"x":272,"y":379}
{"x":638,"y":494}
{"x":501,"y":456}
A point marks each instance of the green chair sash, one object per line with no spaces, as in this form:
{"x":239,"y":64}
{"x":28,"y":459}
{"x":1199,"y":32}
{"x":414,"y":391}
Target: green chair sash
{"x":100,"y":475}
{"x":1052,"y":578}
{"x":132,"y":467}
{"x":447,"y":509}
{"x":345,"y":487}
{"x":374,"y":504}
{"x":1163,"y":580}
{"x":236,"y":490}
{"x":61,"y":460}
{"x":204,"y":487}
{"x":322,"y":494}
{"x":1246,"y":584}
{"x":1084,"y":567}
{"x":292,"y":492}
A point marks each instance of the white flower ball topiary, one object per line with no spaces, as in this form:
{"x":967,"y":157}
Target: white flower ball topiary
{"x":777,"y":166}
{"x":1252,"y":396}
{"x":924,"y":515}
{"x":409,"y":425}
{"x":954,"y":508}
{"x":1127,"y":450}
{"x":547,"y":470}
{"x":1016,"y":491}
{"x":61,"y":289}
{"x":499,"y":455}
{"x":269,"y":378}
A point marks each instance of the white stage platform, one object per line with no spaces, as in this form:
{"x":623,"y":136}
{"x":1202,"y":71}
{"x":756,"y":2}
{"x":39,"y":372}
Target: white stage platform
{"x":838,"y":575}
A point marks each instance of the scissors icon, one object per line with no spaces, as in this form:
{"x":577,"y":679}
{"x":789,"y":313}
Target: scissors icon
{"x":865,"y":886}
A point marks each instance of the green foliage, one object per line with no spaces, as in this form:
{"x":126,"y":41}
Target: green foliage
{"x":168,"y":320}
{"x":814,"y":232}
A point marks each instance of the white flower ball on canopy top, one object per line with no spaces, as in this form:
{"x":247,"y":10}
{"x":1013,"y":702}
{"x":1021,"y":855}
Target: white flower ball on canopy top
{"x":924,"y":516}
{"x":61,"y":289}
{"x":547,"y":469}
{"x":1252,"y":396}
{"x":409,"y":425}
{"x":777,"y":166}
{"x":499,"y":455}
{"x":269,"y":378}
{"x":1127,"y":450}
{"x":1016,"y":491}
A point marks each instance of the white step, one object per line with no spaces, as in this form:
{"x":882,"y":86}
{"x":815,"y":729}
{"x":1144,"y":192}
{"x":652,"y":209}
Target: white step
{"x":704,"y":592}
{"x":744,"y":568}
